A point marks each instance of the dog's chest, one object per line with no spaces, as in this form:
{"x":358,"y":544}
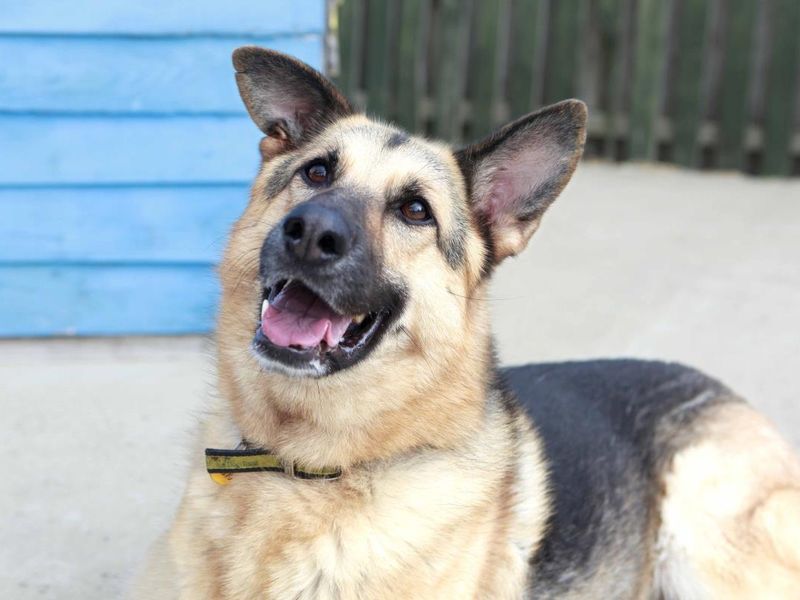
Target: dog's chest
{"x":418,"y":532}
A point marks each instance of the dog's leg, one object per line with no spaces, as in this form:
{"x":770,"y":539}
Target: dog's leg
{"x":730,"y":514}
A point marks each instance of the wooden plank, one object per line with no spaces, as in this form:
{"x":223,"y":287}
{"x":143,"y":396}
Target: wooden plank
{"x":541,"y":56}
{"x":783,"y":71}
{"x":117,"y":224}
{"x":563,"y":51}
{"x":106,"y":300}
{"x":436,"y":58}
{"x":345,"y":35}
{"x":454,"y":38}
{"x":622,"y":76}
{"x":480,"y":85}
{"x":523,"y":41}
{"x":707,"y":142}
{"x":331,"y":54}
{"x":587,"y":80}
{"x":461,"y":69}
{"x":687,"y":75}
{"x":753,"y":142}
{"x":664,"y":134}
{"x":794,"y":142}
{"x":176,"y":17}
{"x":502,"y":60}
{"x":649,"y":53}
{"x":471,"y":75}
{"x":356,"y":78}
{"x":608,"y":45}
{"x":375,"y":55}
{"x":596,"y":27}
{"x":409,"y":46}
{"x":445,"y":68}
{"x":733,"y":115}
{"x":394,"y":10}
{"x":437,"y":30}
{"x":92,"y":150}
{"x":131,"y":75}
{"x":422,"y":67}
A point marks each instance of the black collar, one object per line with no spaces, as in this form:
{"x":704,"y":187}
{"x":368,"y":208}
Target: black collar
{"x":222,"y":464}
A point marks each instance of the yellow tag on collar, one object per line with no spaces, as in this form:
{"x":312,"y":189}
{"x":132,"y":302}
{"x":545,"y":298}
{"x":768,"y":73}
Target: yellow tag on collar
{"x":221,"y":478}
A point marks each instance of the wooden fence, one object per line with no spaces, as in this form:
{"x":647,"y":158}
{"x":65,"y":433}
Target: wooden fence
{"x":701,"y":83}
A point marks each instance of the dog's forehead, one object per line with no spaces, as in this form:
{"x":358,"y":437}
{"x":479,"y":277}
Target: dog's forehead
{"x":384,"y":155}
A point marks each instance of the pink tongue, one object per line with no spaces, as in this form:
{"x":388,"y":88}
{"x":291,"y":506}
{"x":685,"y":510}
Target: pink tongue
{"x":298,"y":317}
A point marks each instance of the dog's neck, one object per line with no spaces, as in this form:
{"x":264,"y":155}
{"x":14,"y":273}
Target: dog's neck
{"x":337,"y":429}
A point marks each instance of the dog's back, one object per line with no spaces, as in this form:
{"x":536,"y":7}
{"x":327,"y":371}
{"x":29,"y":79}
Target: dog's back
{"x":611,"y":431}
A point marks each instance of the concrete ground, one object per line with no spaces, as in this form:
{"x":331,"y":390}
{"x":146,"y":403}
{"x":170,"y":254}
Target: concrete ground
{"x":633,"y":261}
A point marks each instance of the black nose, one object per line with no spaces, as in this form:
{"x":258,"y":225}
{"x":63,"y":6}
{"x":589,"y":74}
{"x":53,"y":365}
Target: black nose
{"x":314,"y":233}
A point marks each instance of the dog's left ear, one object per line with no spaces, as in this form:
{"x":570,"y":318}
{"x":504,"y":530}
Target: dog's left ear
{"x":515,"y":174}
{"x":287,"y":99}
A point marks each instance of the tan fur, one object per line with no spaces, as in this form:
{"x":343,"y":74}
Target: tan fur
{"x":333,"y":427}
{"x":417,"y":526}
{"x":444,"y":492}
{"x":442,"y":507}
{"x":731,"y":512}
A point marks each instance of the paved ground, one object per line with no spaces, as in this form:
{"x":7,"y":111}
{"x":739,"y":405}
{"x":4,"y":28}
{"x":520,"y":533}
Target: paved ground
{"x":633,"y":261}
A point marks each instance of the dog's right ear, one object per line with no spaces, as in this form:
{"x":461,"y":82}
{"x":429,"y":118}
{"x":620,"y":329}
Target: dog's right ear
{"x":288,"y":100}
{"x":515,"y":174}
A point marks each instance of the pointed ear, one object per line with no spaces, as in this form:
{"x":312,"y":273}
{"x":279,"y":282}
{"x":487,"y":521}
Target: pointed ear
{"x":515,"y":174}
{"x":287,"y":99}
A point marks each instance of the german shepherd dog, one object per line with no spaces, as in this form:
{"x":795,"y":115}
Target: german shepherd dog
{"x":366,"y":444}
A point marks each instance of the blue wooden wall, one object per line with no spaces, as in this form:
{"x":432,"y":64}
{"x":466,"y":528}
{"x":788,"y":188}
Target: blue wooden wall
{"x":125,"y":154}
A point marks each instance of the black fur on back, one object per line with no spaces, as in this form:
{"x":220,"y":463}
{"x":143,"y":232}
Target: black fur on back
{"x":608,"y":428}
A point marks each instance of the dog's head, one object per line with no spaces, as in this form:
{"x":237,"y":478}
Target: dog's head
{"x":362,"y":257}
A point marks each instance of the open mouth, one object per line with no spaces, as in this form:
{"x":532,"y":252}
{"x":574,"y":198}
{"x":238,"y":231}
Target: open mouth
{"x":300,"y":330}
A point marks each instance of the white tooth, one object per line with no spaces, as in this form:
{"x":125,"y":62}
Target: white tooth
{"x":358,"y":319}
{"x":264,"y":306}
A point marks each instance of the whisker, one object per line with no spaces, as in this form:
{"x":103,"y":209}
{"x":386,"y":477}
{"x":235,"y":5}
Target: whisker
{"x":419,"y":349}
{"x":486,"y":298}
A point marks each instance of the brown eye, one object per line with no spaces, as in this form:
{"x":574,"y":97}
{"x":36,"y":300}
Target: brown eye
{"x":416,"y":212}
{"x":317,"y":173}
